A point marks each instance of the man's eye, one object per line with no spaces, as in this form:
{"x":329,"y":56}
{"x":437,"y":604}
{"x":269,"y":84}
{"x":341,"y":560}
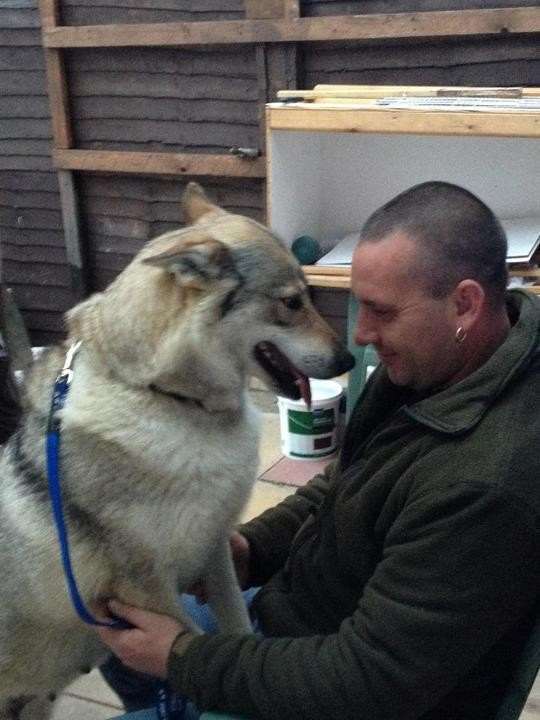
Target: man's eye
{"x":292,"y":303}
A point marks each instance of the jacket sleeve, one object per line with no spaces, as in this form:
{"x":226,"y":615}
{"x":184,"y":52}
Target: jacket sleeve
{"x":271,"y":533}
{"x":455,"y":576}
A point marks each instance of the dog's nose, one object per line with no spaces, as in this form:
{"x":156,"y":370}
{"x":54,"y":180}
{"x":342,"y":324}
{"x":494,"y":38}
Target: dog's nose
{"x":344,"y":362}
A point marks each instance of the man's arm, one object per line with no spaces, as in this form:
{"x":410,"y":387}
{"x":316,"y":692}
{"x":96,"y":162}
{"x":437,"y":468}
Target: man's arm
{"x":455,"y":577}
{"x":271,"y":533}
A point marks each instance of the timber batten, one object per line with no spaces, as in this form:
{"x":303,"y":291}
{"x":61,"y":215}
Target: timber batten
{"x":428,"y":24}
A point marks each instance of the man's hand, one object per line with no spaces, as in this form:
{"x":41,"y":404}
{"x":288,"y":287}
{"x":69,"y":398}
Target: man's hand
{"x":147,"y":645}
{"x":240,"y":555}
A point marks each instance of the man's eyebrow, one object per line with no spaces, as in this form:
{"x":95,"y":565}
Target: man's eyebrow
{"x":376,"y":305}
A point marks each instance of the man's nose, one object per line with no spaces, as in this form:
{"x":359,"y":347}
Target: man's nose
{"x":365,"y":333}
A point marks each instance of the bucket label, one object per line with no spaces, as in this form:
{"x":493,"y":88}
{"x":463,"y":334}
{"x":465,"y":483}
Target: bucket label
{"x":316,"y":422}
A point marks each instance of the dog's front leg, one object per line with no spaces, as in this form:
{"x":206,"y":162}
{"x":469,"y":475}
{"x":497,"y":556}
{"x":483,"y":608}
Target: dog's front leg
{"x":224,"y":594}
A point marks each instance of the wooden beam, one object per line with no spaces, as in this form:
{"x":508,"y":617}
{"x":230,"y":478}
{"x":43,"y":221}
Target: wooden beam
{"x":429,"y":24}
{"x":56,"y":78}
{"x":291,"y":8}
{"x":339,"y":277}
{"x":348,"y":93}
{"x":63,"y":139}
{"x":263,"y":9}
{"x":277,"y":64}
{"x":149,"y":163}
{"x":354,"y":118}
{"x":72,"y":233}
{"x":261,"y":64}
{"x":270,"y":9}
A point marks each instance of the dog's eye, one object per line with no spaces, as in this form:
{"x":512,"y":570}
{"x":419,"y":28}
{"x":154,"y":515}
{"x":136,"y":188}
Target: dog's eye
{"x":292,"y":303}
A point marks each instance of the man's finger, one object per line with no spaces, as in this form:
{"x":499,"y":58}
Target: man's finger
{"x":135,"y":616}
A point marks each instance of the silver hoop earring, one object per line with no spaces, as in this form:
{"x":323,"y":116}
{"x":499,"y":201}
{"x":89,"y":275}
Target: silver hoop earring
{"x":461,"y":334}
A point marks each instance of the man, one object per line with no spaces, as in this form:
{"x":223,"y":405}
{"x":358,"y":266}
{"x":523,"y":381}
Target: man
{"x":403,"y":582}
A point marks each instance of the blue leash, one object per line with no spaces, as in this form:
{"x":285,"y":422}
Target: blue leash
{"x":168,"y":706}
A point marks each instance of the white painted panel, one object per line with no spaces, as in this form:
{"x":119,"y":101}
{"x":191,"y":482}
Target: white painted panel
{"x":295,"y":185}
{"x":327,"y":184}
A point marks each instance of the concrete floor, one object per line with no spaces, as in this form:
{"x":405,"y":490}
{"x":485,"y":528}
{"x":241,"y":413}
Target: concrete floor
{"x":89,"y":698}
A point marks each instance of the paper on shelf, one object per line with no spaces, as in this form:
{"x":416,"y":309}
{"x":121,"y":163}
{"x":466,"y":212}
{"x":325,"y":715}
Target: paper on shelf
{"x":523,"y":240}
{"x":342,"y":252}
{"x":460,"y":104}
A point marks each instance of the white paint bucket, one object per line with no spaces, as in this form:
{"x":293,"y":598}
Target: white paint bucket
{"x":311,"y":433}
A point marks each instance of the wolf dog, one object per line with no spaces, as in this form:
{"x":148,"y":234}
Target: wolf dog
{"x":159,"y":441}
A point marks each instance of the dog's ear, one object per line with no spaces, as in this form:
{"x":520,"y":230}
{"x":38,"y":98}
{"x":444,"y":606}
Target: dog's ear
{"x":196,"y":204}
{"x":198,"y":262}
{"x":80,"y":319}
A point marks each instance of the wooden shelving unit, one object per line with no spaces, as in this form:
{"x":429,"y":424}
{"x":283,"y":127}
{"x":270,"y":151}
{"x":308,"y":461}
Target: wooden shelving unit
{"x":319,"y":140}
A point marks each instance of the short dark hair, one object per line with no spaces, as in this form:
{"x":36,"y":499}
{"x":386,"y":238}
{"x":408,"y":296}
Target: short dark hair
{"x":459,"y":237}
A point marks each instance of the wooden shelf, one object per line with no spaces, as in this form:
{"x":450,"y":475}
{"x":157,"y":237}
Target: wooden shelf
{"x":321,"y":141}
{"x":362,"y":117}
{"x":339,"y":277}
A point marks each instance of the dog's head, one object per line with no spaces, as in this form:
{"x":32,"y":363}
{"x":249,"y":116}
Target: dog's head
{"x":201,"y":308}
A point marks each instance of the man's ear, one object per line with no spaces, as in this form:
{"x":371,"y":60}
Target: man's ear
{"x":470,"y":301}
{"x":196,"y":204}
{"x":198,"y":262}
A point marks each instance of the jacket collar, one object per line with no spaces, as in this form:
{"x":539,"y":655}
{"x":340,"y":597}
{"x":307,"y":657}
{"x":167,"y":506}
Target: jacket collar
{"x":459,"y":407}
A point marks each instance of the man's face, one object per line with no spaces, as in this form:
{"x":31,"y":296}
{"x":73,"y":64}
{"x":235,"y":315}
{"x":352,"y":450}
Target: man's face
{"x":413,"y":333}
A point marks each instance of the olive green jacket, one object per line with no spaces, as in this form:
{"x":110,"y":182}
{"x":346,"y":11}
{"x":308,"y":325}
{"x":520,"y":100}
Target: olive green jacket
{"x":402,"y":582}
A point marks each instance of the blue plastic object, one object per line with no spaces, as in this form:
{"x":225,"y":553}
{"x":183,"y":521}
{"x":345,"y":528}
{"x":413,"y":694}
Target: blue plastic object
{"x":366,"y":358}
{"x":306,"y":250}
{"x":152,"y":715}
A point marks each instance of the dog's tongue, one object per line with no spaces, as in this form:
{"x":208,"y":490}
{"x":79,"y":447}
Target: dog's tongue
{"x":302,"y":383}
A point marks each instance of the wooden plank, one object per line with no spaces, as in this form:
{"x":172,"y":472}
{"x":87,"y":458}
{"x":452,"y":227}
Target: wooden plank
{"x":58,"y":99}
{"x":268,"y":9}
{"x":291,"y":8}
{"x":63,"y":138}
{"x":56,"y":78}
{"x":347,"y":92}
{"x":429,"y":24}
{"x":261,"y":63}
{"x":263,"y":9}
{"x":277,"y":65}
{"x":435,"y":90}
{"x":159,"y":163}
{"x":50,"y":13}
{"x":340,"y":277}
{"x":336,"y":270}
{"x":72,"y":233}
{"x":382,"y":120}
{"x":341,"y":283}
{"x":330,"y":281}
